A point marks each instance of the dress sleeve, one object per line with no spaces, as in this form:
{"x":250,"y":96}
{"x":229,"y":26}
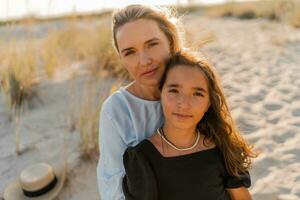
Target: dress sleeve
{"x":139,"y":181}
{"x":234,"y":182}
{"x":110,"y":170}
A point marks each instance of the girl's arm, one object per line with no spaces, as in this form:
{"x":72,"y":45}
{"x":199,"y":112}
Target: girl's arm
{"x":240,"y":193}
{"x":139,"y":181}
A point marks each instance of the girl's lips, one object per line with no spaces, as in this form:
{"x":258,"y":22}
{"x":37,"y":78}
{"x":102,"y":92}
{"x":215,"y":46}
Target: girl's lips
{"x":182,"y":116}
{"x":150,"y":72}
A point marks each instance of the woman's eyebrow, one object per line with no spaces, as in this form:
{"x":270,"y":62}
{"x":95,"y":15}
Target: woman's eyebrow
{"x":152,"y":40}
{"x":147,"y":42}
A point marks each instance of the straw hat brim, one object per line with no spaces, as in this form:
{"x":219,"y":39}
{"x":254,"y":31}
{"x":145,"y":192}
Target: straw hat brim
{"x":14,"y":191}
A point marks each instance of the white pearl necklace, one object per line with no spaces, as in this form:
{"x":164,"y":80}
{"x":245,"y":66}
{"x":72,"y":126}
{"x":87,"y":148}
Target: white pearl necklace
{"x":173,"y":146}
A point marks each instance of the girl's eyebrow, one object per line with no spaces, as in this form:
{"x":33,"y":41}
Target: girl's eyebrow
{"x":175,"y":85}
{"x":200,"y":89}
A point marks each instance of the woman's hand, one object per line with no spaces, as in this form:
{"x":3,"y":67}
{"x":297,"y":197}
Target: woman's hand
{"x":240,"y":193}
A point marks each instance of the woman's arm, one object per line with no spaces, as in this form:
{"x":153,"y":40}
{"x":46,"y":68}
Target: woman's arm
{"x":240,"y":193}
{"x":110,"y":170}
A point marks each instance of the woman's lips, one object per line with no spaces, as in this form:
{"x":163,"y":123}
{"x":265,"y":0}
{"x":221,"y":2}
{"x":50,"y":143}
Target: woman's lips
{"x":149,"y":72}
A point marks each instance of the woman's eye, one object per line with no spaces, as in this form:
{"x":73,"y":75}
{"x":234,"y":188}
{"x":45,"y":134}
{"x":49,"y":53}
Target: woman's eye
{"x":173,"y":91}
{"x":153,"y":44}
{"x":128,"y":53}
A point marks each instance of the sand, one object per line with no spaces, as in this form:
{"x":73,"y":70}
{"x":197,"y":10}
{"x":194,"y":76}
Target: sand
{"x":259,"y":65}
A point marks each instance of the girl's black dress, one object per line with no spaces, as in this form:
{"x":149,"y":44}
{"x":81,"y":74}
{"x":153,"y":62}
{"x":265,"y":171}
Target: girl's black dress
{"x":197,"y":176}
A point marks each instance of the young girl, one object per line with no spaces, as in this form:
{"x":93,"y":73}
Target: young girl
{"x":197,"y":153}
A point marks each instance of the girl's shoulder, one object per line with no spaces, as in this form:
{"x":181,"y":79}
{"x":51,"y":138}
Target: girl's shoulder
{"x":137,"y":151}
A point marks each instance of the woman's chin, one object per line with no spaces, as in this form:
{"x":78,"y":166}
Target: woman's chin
{"x":149,"y":82}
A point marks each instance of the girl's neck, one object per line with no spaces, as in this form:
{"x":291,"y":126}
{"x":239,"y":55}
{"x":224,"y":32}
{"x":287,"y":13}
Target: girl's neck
{"x":181,"y":138}
{"x":151,"y":93}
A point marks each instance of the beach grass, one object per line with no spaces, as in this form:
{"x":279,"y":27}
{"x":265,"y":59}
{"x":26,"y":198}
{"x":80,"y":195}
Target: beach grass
{"x":89,"y":123}
{"x":77,"y":42}
{"x":18,"y":77}
{"x":21,"y":63}
{"x":286,"y":11}
{"x":18,"y":83}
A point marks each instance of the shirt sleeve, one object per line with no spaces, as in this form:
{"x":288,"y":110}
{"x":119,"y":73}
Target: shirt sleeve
{"x":139,"y":181}
{"x":243,"y":180}
{"x":110,"y":170}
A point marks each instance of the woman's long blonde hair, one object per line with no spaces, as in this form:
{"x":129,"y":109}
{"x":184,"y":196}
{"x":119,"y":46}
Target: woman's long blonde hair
{"x":217,"y":124}
{"x":166,"y":18}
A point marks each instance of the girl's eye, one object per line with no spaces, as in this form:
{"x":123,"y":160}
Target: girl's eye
{"x":173,"y":91}
{"x":198,"y":94}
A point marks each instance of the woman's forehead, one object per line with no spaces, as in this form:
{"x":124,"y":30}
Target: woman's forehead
{"x":138,"y":32}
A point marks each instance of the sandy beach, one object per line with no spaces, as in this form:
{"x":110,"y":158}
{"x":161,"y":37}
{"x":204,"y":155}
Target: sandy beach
{"x":259,"y":66}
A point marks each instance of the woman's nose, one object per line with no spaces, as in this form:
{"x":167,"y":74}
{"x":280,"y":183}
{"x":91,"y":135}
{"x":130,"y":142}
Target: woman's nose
{"x":144,"y":59}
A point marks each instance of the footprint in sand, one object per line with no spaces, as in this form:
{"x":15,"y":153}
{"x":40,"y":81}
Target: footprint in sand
{"x":282,"y":137}
{"x":273,"y":82}
{"x":256,"y":95}
{"x":255,"y":98}
{"x":296,"y":97}
{"x":296,"y":112}
{"x":273,"y":119}
{"x":273,"y":106}
{"x":285,"y":91}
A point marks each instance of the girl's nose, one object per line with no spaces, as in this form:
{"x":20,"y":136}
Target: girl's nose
{"x":183,"y":102}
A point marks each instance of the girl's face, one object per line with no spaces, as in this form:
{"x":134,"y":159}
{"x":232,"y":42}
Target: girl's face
{"x":143,"y":50}
{"x":184,"y":97}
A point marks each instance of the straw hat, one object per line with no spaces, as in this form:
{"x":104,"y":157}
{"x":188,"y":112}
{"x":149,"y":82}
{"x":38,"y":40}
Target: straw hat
{"x":39,"y":182}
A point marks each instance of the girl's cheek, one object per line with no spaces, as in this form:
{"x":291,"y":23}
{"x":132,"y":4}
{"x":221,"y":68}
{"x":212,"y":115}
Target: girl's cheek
{"x":171,"y":98}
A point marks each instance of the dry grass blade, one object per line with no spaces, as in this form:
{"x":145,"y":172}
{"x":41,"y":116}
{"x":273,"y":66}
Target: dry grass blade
{"x":18,"y":79}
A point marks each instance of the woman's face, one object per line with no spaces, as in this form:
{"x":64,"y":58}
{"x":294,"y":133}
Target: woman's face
{"x":143,"y":50}
{"x":184,"y":97}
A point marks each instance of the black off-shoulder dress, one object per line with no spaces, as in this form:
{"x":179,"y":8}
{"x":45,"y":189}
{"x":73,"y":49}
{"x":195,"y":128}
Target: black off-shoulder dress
{"x":197,"y":176}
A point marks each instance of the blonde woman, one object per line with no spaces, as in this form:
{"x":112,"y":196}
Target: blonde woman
{"x":144,"y":37}
{"x":197,"y":153}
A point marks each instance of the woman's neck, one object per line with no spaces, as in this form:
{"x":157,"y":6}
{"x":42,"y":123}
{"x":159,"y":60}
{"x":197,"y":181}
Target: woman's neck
{"x":151,"y":93}
{"x":181,"y":138}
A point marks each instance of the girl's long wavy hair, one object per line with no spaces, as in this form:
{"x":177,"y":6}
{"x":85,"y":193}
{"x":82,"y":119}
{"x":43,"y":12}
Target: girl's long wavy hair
{"x":217,"y":124}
